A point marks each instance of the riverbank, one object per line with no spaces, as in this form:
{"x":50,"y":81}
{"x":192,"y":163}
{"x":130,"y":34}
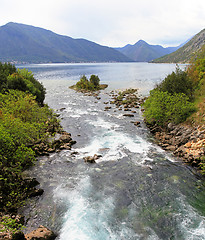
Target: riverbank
{"x":184,"y":141}
{"x":11,"y":222}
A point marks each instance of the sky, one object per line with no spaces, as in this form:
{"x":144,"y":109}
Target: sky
{"x":112,"y":23}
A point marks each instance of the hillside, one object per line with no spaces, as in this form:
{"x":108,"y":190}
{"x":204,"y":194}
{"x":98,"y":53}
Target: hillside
{"x":24,"y":43}
{"x":187,"y":52}
{"x":143,"y":52}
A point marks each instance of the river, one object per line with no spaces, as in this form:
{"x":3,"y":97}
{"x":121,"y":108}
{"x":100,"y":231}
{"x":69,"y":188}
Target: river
{"x":136,"y":190}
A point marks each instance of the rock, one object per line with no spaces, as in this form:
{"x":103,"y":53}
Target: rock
{"x":50,"y":150}
{"x":170,"y":126}
{"x":19,"y":235}
{"x":107,"y":108}
{"x":128,"y":115}
{"x":137,"y":123}
{"x":72,"y":142}
{"x":65,"y":138}
{"x":41,"y":233}
{"x":66,"y":146}
{"x":36,"y":192}
{"x":171,"y":148}
{"x":30,"y":182}
{"x":188,"y":145}
{"x":90,"y":159}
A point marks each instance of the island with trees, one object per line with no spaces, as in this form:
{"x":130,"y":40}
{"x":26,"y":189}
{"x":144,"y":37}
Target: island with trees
{"x":91,"y":85}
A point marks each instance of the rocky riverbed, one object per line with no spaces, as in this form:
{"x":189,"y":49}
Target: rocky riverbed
{"x":184,"y":141}
{"x":187,"y":143}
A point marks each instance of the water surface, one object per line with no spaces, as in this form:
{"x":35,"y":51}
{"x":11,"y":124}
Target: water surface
{"x":135,"y":190}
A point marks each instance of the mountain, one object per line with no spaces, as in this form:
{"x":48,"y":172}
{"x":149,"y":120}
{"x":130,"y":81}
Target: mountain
{"x":25,"y":43}
{"x":143,"y":52}
{"x":187,"y":52}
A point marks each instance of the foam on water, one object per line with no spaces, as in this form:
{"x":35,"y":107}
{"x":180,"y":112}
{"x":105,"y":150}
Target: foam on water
{"x":116,"y":143}
{"x":190,"y":222}
{"x":92,"y":218}
{"x":85,"y":219}
{"x":101,"y":123}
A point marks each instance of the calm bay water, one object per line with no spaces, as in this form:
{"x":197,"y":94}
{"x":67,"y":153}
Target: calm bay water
{"x":117,"y":75}
{"x":136,"y":190}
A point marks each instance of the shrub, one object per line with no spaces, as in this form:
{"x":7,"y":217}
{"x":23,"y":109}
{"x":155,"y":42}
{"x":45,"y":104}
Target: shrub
{"x":22,"y":123}
{"x":21,"y":79}
{"x":177,"y":82}
{"x":91,"y":85}
{"x":34,"y":86}
{"x":5,"y":70}
{"x":163,"y":107}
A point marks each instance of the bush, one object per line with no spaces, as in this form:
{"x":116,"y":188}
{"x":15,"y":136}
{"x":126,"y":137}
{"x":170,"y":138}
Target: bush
{"x":21,"y":79}
{"x":177,"y":82}
{"x":6,"y":69}
{"x":163,"y":107}
{"x":22,"y":123}
{"x":34,"y":86}
{"x":91,"y":85}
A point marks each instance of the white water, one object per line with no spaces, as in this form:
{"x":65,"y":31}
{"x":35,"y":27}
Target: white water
{"x":135,"y":191}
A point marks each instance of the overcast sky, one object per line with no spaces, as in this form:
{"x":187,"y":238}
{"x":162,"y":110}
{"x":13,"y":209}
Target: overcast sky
{"x":113,"y":23}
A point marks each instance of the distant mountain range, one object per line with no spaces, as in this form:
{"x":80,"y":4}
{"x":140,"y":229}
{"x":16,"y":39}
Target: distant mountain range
{"x":143,"y":52}
{"x":24,"y":43}
{"x":21,"y":43}
{"x":187,"y":52}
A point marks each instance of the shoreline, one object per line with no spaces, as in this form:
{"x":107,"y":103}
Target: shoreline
{"x":178,"y":139}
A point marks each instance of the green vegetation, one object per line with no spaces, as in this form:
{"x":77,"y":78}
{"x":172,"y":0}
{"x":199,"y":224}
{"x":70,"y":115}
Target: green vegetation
{"x":163,"y":107}
{"x":24,"y":121}
{"x":93,"y":84}
{"x":186,"y":53}
{"x":9,"y":224}
{"x":21,"y":79}
{"x":177,"y":82}
{"x":180,"y":98}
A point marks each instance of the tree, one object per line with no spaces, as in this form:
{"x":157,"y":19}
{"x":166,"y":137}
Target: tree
{"x":177,"y":82}
{"x":94,"y":80}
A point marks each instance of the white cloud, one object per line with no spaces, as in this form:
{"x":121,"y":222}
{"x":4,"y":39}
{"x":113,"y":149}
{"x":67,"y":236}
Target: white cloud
{"x":111,"y":23}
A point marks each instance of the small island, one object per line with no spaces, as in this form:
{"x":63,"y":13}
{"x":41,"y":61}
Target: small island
{"x":91,"y":85}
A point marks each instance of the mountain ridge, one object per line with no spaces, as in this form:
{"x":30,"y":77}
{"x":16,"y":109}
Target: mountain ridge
{"x":141,"y":51}
{"x":187,"y":52}
{"x":26,"y":43}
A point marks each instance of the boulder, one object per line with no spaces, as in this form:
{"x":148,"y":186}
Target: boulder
{"x":91,"y":159}
{"x":65,"y":138}
{"x":41,"y":233}
{"x":36,"y":192}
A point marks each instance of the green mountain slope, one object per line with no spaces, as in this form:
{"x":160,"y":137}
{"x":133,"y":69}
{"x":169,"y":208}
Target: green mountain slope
{"x":187,"y":52}
{"x":144,"y":52}
{"x":24,"y":43}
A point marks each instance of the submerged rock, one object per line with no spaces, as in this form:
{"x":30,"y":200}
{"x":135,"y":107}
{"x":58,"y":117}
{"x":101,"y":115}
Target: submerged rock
{"x":90,"y":159}
{"x":128,"y":115}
